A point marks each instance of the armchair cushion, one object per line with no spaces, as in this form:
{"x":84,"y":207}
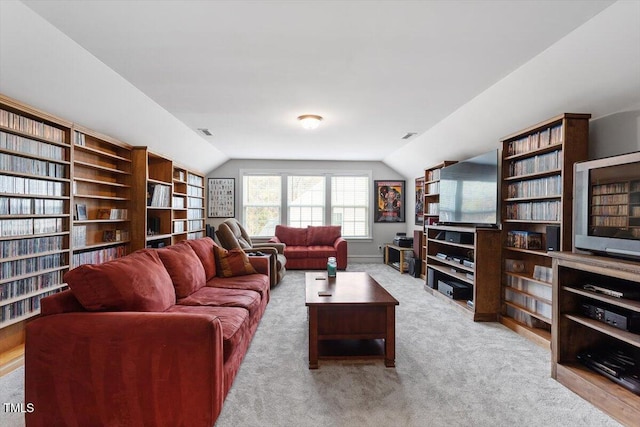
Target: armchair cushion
{"x":325,"y":235}
{"x":184,"y":267}
{"x":137,"y":282}
{"x":232,"y":263}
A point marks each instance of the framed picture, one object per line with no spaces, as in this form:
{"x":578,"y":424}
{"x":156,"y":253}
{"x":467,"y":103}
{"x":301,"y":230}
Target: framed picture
{"x":222,"y":197}
{"x":81,"y":212}
{"x":389,"y":201}
{"x":420,"y":200}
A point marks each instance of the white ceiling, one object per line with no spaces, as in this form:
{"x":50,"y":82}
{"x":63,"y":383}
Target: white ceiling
{"x":374,"y":70}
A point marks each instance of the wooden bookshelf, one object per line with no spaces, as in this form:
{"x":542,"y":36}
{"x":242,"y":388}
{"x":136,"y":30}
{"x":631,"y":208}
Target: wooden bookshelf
{"x":196,"y":205}
{"x":431,"y":205}
{"x":35,"y":209}
{"x":537,"y":194}
{"x":102,"y":178}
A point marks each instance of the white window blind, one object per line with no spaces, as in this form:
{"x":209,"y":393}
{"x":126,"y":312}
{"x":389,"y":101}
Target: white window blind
{"x":261,"y":204}
{"x":306,"y":200}
{"x":350,"y":205}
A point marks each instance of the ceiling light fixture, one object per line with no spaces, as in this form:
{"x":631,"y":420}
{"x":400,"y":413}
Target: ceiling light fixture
{"x":409,"y":135}
{"x":205,"y":131}
{"x":310,"y":121}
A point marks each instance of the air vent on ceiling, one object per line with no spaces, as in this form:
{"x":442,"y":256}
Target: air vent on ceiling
{"x":205,"y":132}
{"x":409,"y":135}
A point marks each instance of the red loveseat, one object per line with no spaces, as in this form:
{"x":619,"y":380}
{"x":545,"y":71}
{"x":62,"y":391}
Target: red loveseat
{"x":309,"y":248}
{"x":153,"y":338}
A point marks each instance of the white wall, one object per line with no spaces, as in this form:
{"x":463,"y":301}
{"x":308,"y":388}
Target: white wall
{"x":359,"y":251}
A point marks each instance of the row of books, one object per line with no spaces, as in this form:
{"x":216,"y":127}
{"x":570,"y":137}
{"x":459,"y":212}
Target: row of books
{"x":524,"y":240}
{"x":24,"y":227}
{"x":112,"y":213}
{"x":20,"y":267}
{"x":194,"y":214}
{"x":433,"y":188}
{"x":31,"y":186}
{"x":178,"y":202}
{"x":79,"y":138}
{"x":30,"y":284}
{"x":538,"y":290}
{"x":534,"y":211}
{"x":179,"y":175}
{"x":30,"y":126}
{"x":196,"y":225}
{"x":115,"y":235}
{"x":22,"y":307}
{"x":195,"y":235}
{"x":25,"y":165}
{"x":99,"y":256}
{"x":22,"y":206}
{"x":196,"y":203}
{"x":536,"y":140}
{"x":610,"y":210}
{"x":536,"y":164}
{"x":195,"y":191}
{"x":195,"y":180}
{"x":79,"y":236}
{"x":617,"y":187}
{"x":526,"y":319}
{"x":158,"y":195}
{"x":179,"y":227}
{"x":432,"y":209}
{"x":611,"y":199}
{"x":21,"y":144}
{"x":12,"y":248}
{"x":609,"y":221}
{"x":549,"y":186}
{"x":432,"y":175}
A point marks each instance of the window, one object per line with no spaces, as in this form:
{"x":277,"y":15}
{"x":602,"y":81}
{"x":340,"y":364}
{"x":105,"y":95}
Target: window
{"x":299,"y":200}
{"x":350,"y":204}
{"x":306,"y":200}
{"x":261,"y":204}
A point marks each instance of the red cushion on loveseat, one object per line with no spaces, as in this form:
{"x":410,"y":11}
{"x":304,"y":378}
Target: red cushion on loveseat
{"x":184,"y":267}
{"x":292,"y":236}
{"x":204,"y":250}
{"x":325,"y":235}
{"x":136,"y":282}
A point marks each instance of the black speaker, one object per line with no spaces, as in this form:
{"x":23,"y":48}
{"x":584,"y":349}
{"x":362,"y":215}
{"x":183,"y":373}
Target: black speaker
{"x":553,"y":237}
{"x":415,"y":267}
{"x":431,"y":278}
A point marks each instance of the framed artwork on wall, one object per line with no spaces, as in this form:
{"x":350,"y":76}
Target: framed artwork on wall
{"x":222,"y":198}
{"x":420,"y":200}
{"x":389,"y":200}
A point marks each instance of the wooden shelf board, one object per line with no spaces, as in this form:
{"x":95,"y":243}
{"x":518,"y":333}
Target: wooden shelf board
{"x":19,"y":319}
{"x":529,"y":198}
{"x":539,"y":336}
{"x":538,"y":151}
{"x":158,"y":237}
{"x":34,"y":176}
{"x":28,"y":236}
{"x":33,"y":137}
{"x":11,"y":359}
{"x":157,"y":181}
{"x":101,"y":153}
{"x":527,"y":251}
{"x":99,"y":221}
{"x":33,"y":156}
{"x":621,"y":302}
{"x":448,"y":271}
{"x":34,"y":255}
{"x":99,"y":182}
{"x":528,"y":278}
{"x":32,"y":274}
{"x":528,"y":176}
{"x":35,"y":196}
{"x":527,"y":294}
{"x":26,"y":216}
{"x":32,"y":294}
{"x":99,"y":167}
{"x":528,"y":311}
{"x":100,"y":245}
{"x":628,"y":337}
{"x":93,"y":196}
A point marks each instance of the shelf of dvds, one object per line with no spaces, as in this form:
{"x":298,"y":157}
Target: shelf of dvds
{"x":35,"y":206}
{"x":431,"y":204}
{"x":102,"y":176}
{"x":576,"y":332}
{"x":537,"y":186}
{"x":195,"y":206}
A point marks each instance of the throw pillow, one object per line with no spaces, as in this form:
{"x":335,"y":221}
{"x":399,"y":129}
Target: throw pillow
{"x":204,"y":250}
{"x":232,"y":263}
{"x":323,"y":235}
{"x":136,"y":282}
{"x":184,"y":267}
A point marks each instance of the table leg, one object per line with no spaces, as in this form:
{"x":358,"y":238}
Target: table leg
{"x":390,"y":339}
{"x":313,"y":337}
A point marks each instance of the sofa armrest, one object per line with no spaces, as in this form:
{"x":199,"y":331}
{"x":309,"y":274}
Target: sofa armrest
{"x":340,"y":245}
{"x":279,"y":247}
{"x":262,"y":264}
{"x":275,"y":239}
{"x":124,"y":368}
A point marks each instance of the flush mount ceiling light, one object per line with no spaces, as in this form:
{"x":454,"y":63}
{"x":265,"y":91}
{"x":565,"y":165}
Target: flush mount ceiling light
{"x":310,"y":121}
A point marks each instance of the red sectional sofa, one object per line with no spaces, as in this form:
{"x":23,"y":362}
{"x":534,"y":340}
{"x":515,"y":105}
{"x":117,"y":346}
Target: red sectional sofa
{"x":153,"y":338}
{"x":309,"y":248}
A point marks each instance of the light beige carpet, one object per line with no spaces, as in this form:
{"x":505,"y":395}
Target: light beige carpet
{"x":449,"y":371}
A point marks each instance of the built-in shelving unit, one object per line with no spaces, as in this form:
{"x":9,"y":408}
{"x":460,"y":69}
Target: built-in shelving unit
{"x":537,"y":187}
{"x":196,"y":205}
{"x":35,"y":206}
{"x":465,"y":255}
{"x":102,"y":176}
{"x":431,"y":205}
{"x":575,"y":332}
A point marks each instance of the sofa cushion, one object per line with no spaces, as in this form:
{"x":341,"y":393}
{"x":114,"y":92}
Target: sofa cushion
{"x":291,"y":252}
{"x":234,"y":321}
{"x":254,"y":282}
{"x":204,"y":250}
{"x":232,"y":263}
{"x":293,"y":236}
{"x":323,"y":251}
{"x":184,"y":267}
{"x":324,"y":235}
{"x":224,"y":297}
{"x":136,"y":282}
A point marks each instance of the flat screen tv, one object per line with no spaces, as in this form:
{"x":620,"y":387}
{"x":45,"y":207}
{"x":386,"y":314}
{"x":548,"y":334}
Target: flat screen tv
{"x":469,"y":192}
{"x":606,"y":206}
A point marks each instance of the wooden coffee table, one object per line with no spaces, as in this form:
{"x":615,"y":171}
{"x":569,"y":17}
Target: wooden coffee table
{"x":358,"y":319}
